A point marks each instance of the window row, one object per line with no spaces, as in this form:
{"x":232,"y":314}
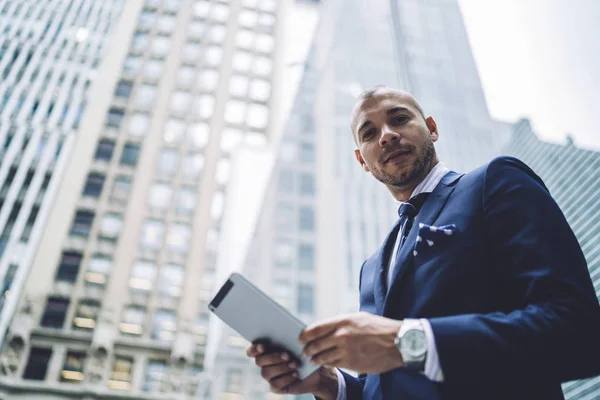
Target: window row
{"x":288,"y":180}
{"x":285,"y":251}
{"x":129,"y":154}
{"x":121,"y":373}
{"x":286,"y":217}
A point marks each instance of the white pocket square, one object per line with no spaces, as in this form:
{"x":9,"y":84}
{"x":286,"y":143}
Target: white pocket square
{"x":429,"y":234}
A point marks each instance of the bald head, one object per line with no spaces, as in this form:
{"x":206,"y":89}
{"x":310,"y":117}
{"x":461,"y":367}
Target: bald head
{"x":379,"y":93}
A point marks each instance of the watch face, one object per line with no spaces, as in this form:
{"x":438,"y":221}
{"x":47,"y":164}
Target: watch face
{"x":413,"y":343}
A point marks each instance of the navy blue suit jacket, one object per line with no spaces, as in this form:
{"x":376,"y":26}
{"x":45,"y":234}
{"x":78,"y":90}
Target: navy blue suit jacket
{"x":508,"y":295}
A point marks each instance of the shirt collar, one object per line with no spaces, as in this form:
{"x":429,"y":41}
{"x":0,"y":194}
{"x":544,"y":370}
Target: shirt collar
{"x":432,"y":179}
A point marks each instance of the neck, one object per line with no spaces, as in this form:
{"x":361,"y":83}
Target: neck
{"x":403,"y":193}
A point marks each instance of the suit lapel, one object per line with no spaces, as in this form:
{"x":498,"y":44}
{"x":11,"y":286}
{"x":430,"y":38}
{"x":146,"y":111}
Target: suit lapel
{"x":382,"y":259}
{"x":427,"y":215}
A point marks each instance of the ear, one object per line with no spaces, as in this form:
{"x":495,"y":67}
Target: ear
{"x":361,"y":161}
{"x":433,"y":129}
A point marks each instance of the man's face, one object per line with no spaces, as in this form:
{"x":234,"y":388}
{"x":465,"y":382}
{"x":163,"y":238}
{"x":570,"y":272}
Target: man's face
{"x":395,"y":141}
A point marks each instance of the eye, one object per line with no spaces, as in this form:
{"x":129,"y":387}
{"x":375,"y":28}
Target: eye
{"x":368,"y":134}
{"x":400,"y":119}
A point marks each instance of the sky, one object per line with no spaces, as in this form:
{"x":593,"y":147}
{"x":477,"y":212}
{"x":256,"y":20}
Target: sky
{"x":538,"y":59}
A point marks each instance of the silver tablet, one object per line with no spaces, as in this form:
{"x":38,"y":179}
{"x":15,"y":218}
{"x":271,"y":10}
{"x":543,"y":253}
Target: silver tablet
{"x":258,"y":318}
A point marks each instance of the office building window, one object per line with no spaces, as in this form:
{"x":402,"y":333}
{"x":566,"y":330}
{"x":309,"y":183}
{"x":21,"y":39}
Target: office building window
{"x":120,"y":190}
{"x":307,"y":219}
{"x":164,"y":324}
{"x":248,"y":18}
{"x":110,"y":226}
{"x":98,"y":269}
{"x":230,"y":138}
{"x":86,"y":315}
{"x":201,"y":9}
{"x":216,"y":207}
{"x":185,"y":76}
{"x":153,"y":70}
{"x":160,"y":196}
{"x":265,"y":43}
{"x":179,"y":237}
{"x":181,"y":101}
{"x":307,"y":152}
{"x":204,"y":106}
{"x":285,"y":183}
{"x":266,"y":21}
{"x":174,"y":130}
{"x":185,"y":201}
{"x":115,"y":117}
{"x":235,"y":380}
{"x":307,"y":184}
{"x":37,"y":363}
{"x":262,"y":66}
{"x":105,"y":149}
{"x":238,"y":85}
{"x":242,"y":61}
{"x":192,"y":166}
{"x":72,"y":370}
{"x":156,"y":374}
{"x":171,"y":280}
{"x":196,"y":29}
{"x":258,"y":139}
{"x":216,"y":33}
{"x":82,"y":223}
{"x":160,"y":46}
{"x":223,"y":171}
{"x":207,"y":80}
{"x":145,"y":96}
{"x":235,"y":112}
{"x":55,"y":312}
{"x":69,"y":266}
{"x":197,"y":135}
{"x":130,"y":154}
{"x":284,"y":253}
{"x":134,"y":318}
{"x":143,"y":275}
{"x":140,"y":42}
{"x":147,"y":19}
{"x":191,"y":53}
{"x":260,"y":90}
{"x":284,"y":215}
{"x":245,"y":39}
{"x":121,"y":374}
{"x":152,"y":234}
{"x":219,"y":12}
{"x":139,"y":124}
{"x":166,"y":24}
{"x":258,"y":116}
{"x":213,"y":56}
{"x":123,"y":89}
{"x":305,"y":299}
{"x":132,"y":65}
{"x":94,"y":184}
{"x":306,"y":256}
{"x":168,"y":160}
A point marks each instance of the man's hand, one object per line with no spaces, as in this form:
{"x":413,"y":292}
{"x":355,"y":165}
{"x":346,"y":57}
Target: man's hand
{"x":279,"y":369}
{"x":361,"y":342}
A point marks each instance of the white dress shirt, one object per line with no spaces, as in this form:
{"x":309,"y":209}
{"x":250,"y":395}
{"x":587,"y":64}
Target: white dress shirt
{"x":433,"y":369}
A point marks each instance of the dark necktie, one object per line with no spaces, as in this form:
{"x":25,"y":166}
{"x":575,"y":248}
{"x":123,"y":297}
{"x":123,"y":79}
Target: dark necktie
{"x":407,"y":212}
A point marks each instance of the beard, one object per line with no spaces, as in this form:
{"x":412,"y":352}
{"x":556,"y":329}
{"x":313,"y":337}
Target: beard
{"x":415,"y":172}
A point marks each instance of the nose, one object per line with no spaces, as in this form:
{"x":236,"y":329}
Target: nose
{"x":388,"y":136}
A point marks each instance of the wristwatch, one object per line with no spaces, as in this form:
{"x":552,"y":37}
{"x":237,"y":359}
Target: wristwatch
{"x":412,"y":344}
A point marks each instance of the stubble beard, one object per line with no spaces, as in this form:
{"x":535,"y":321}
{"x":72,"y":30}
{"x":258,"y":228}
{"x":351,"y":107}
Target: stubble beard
{"x":416,"y":172}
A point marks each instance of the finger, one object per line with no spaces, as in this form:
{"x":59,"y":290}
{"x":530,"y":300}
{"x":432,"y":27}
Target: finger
{"x":281,"y":383}
{"x":320,"y":329}
{"x":266,"y":360}
{"x":331,"y":357}
{"x":274,"y":371}
{"x":255,"y":350}
{"x":322,"y":344}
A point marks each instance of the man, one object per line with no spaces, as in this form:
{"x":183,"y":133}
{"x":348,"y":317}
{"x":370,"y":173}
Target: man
{"x":480,"y":291}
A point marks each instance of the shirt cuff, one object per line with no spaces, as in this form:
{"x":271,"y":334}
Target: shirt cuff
{"x":341,"y":394}
{"x":433,"y":369}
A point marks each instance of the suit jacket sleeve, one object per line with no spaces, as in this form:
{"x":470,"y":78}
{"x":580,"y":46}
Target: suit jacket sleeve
{"x":354,"y":386}
{"x":549,"y":326}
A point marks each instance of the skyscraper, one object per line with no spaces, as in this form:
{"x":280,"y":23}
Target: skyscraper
{"x":117,"y":291}
{"x":572,"y":175}
{"x":50,"y":52}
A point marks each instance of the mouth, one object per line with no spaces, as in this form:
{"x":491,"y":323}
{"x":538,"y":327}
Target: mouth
{"x":397,"y":156}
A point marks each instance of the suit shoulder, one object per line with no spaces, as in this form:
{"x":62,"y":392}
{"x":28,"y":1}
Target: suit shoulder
{"x":510,"y":170}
